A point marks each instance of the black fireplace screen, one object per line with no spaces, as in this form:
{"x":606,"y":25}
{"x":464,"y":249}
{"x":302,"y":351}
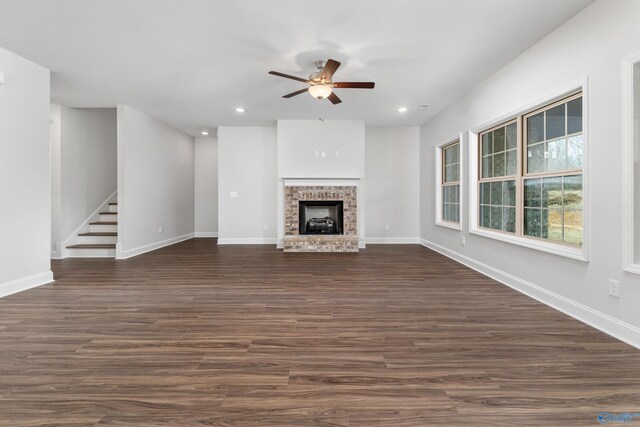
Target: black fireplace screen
{"x":321,"y":217}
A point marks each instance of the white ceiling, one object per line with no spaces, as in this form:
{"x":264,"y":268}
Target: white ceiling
{"x":190,"y":63}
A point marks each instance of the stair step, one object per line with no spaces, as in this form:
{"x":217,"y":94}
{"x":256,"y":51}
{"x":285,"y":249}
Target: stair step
{"x":105,"y":233}
{"x":104,"y":223}
{"x":93,"y":246}
{"x":108,"y":213}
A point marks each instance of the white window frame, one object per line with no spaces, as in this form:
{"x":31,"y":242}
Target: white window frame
{"x":628,"y":168}
{"x":578,"y":253}
{"x":439,"y":183}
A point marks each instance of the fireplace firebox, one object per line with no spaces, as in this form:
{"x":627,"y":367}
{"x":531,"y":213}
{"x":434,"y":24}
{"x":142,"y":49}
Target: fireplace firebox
{"x":321,"y":216}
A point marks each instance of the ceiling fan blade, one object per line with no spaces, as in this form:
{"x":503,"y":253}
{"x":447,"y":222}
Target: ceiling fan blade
{"x":330,"y":67}
{"x":334,"y":98}
{"x":354,"y":85}
{"x":298,"y":92}
{"x":287,"y":76}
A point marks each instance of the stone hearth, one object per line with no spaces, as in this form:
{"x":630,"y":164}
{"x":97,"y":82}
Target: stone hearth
{"x":295,"y":242}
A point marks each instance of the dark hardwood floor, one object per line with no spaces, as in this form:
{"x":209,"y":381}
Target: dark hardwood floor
{"x":201,"y":335}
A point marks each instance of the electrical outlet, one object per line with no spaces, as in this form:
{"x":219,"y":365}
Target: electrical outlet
{"x":323,"y":154}
{"x":386,"y":227}
{"x":266,"y":227}
{"x":614,"y":288}
{"x":233,"y":194}
{"x":463,"y":241}
{"x":160,"y":230}
{"x":317,"y":153}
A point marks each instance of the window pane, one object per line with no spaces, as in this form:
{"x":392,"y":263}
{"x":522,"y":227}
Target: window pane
{"x":512,"y":162}
{"x":573,"y":209}
{"x":555,"y":122}
{"x":535,"y":128}
{"x":456,"y":153}
{"x":552,"y":192}
{"x":487,"y":169}
{"x":532,"y":192}
{"x":535,"y":158}
{"x":557,"y":155}
{"x":448,"y":156}
{"x":509,"y":219}
{"x":509,"y":193}
{"x":496,"y":217}
{"x":574,"y":116}
{"x":445,"y":212}
{"x":499,"y":168}
{"x":574,"y":152}
{"x":496,"y":193}
{"x":485,"y":193}
{"x":485,"y":215}
{"x":498,"y":140}
{"x":554,"y":224}
{"x":456,"y":193}
{"x":486,"y":144}
{"x":512,"y":136}
{"x":445,"y":194}
{"x":532,"y":222}
{"x":456,"y":171}
{"x":448,"y":174}
{"x":573,"y":227}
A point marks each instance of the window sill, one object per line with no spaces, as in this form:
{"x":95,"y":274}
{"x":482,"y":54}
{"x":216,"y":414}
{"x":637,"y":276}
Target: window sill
{"x":552,"y":248}
{"x":633,"y":268}
{"x":451,"y":225}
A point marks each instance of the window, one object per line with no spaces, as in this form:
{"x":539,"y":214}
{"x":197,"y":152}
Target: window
{"x":450,"y":205}
{"x":498,"y":169}
{"x":631,"y":166}
{"x":530,"y":174}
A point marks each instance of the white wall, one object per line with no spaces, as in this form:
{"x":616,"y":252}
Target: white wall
{"x":392,"y":170}
{"x":155,"y":183}
{"x":25,"y":185}
{"x":592,"y":45}
{"x":88,"y":165}
{"x":342,"y":142}
{"x":247,"y":166}
{"x":206,"y":187}
{"x":327,"y":149}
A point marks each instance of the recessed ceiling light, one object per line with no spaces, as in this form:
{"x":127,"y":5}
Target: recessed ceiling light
{"x":240,"y":110}
{"x":205,"y":133}
{"x":402,"y":109}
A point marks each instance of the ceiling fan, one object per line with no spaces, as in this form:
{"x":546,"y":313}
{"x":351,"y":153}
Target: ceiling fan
{"x":320,"y":84}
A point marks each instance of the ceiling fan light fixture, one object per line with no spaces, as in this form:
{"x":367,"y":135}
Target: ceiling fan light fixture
{"x":320,"y":91}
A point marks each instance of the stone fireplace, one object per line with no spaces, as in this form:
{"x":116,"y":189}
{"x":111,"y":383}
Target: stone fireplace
{"x":320,"y":218}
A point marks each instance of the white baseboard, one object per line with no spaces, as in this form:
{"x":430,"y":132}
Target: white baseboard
{"x":25,"y":283}
{"x":603,"y":322}
{"x":247,"y":240}
{"x":205,"y":234}
{"x":129,"y":253}
{"x":393,"y":240}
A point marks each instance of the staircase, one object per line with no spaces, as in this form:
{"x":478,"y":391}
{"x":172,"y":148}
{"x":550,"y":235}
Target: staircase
{"x":99,"y":241}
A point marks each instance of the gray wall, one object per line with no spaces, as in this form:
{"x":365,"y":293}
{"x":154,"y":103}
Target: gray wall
{"x":88,"y":164}
{"x":590,"y":45}
{"x":206,"y":187}
{"x":247,"y":167}
{"x":25,"y":185}
{"x":155,"y":183}
{"x":392,"y":165}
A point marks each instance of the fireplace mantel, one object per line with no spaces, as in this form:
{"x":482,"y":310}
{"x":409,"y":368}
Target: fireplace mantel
{"x":320,"y":181}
